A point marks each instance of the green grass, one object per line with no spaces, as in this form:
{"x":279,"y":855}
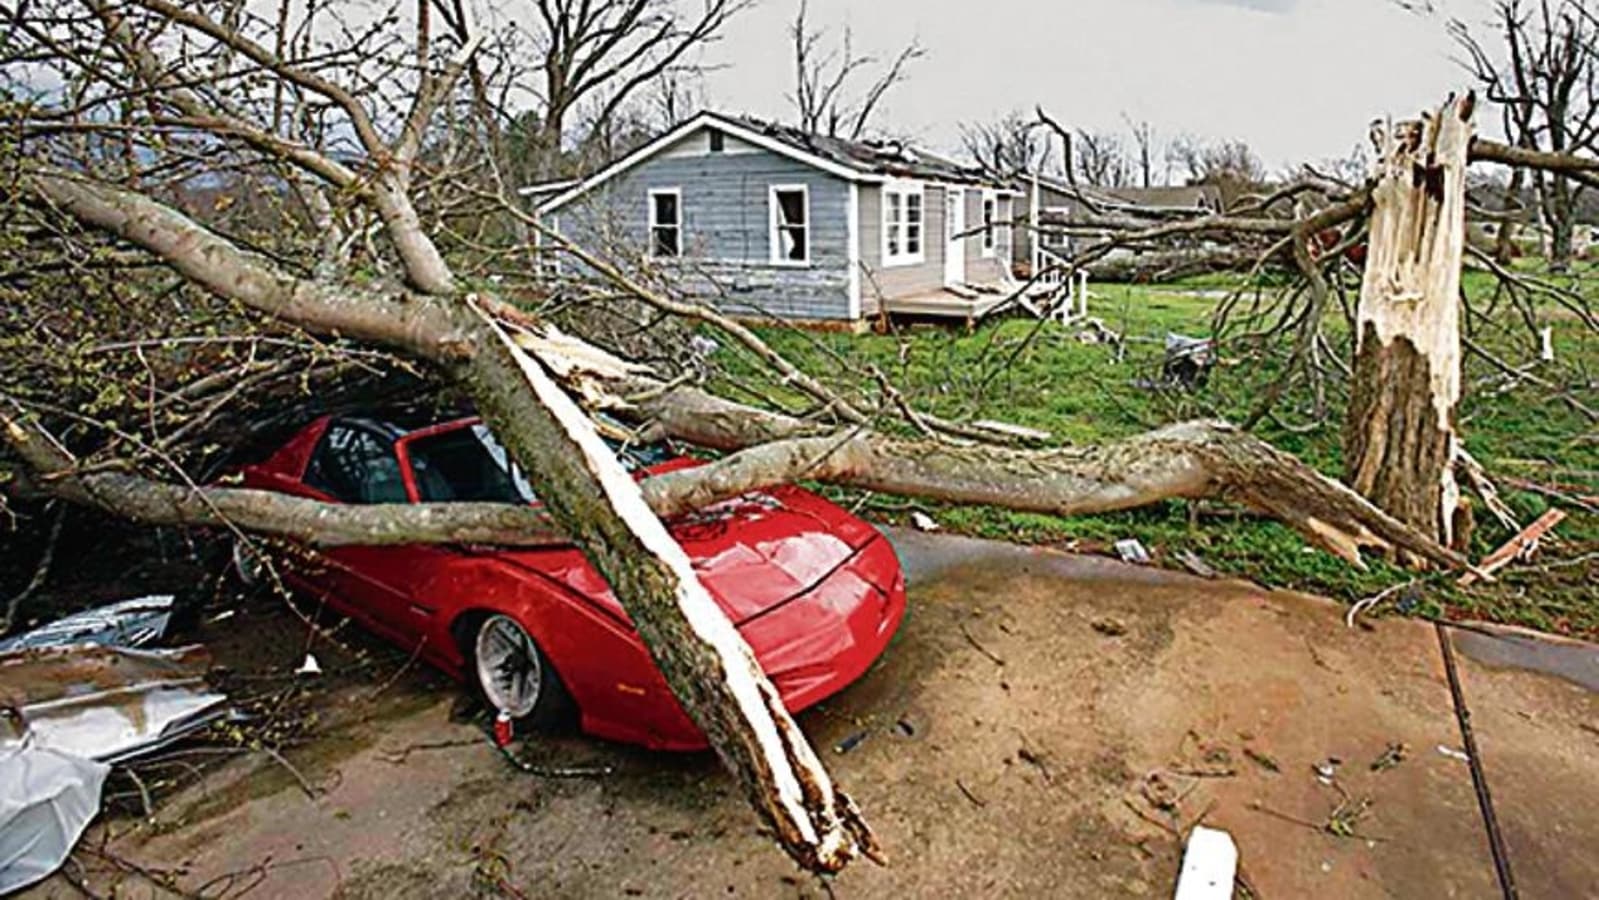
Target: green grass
{"x":1012,"y":370}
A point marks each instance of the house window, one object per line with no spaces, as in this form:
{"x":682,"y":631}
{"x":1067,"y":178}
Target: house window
{"x":717,"y":141}
{"x":902,"y":225}
{"x":990,"y":213}
{"x":791,"y":223}
{"x":666,"y":222}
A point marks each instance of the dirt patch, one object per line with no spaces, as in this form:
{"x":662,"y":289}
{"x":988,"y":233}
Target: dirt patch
{"x":1041,"y":726}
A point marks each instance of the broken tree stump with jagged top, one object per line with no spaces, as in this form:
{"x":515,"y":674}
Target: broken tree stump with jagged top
{"x":1399,"y":438}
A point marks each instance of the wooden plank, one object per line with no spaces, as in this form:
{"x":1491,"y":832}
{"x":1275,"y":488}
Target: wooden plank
{"x":1521,"y":544}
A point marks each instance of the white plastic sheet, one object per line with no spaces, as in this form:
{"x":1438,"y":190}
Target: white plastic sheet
{"x":46,"y":800}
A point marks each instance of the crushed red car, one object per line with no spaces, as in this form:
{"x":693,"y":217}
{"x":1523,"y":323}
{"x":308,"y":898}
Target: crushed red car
{"x":816,"y":592}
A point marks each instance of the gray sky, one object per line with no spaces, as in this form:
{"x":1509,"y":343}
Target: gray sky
{"x":1300,"y":80}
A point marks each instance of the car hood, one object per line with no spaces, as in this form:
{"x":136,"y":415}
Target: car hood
{"x":753,"y":553}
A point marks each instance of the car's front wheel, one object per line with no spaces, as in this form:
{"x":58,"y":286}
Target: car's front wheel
{"x":514,"y":676}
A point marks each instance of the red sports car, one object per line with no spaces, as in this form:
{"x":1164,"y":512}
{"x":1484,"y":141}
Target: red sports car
{"x":816,"y":592}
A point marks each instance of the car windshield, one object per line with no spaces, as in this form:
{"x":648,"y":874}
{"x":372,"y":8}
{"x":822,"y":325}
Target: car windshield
{"x":469,"y":464}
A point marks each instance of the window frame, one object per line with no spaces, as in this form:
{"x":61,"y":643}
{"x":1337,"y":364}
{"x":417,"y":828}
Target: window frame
{"x":651,"y":248}
{"x":315,"y":478}
{"x":988,"y":213}
{"x":904,"y":190}
{"x":775,"y":226}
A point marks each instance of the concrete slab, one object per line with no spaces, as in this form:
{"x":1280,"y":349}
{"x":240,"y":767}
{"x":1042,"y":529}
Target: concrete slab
{"x":1043,"y":725}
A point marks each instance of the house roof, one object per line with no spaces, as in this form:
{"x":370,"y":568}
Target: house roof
{"x":858,"y":161}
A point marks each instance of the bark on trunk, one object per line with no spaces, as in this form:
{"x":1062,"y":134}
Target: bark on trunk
{"x":709,"y":667}
{"x":1399,"y":437}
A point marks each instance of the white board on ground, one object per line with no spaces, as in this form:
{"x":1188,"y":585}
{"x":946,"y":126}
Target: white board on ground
{"x":1209,"y":866}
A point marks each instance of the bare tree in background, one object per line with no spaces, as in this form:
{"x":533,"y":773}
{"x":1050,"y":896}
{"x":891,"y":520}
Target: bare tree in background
{"x":1099,"y":159}
{"x":1010,"y":147}
{"x":1144,"y":148}
{"x":1229,"y":165}
{"x":606,"y":53}
{"x":1547,"y":86}
{"x":825,"y":100}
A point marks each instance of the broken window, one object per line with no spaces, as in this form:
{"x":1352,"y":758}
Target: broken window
{"x":355,"y":465}
{"x":791,"y":239}
{"x":666,"y":223}
{"x":902,"y":225}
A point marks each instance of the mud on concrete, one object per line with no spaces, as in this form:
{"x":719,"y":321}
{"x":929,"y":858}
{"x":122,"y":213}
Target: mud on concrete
{"x":1043,"y":725}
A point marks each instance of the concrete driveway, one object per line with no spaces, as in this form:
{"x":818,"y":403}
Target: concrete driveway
{"x":1043,"y":725}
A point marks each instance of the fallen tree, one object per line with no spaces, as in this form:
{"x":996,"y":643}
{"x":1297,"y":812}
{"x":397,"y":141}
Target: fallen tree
{"x":361,"y":264}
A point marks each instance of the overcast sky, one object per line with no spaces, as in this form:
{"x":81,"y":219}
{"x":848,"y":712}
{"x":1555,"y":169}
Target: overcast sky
{"x":1300,"y":80}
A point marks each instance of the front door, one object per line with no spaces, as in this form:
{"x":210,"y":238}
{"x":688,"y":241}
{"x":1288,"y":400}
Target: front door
{"x":954,"y":240}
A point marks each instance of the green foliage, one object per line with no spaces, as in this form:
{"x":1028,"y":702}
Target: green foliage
{"x":1045,"y":378}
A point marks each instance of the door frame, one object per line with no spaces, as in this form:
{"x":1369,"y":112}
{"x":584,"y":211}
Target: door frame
{"x":954,"y":239}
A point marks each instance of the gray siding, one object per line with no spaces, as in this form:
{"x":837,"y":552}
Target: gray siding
{"x":982,"y":269}
{"x":900,"y":281}
{"x":726,"y":236}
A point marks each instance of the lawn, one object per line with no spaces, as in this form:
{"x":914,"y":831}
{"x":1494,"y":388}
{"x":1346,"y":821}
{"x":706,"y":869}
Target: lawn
{"x":1046,"y":378}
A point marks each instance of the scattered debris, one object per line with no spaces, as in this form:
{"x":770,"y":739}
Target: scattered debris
{"x":1346,"y":815}
{"x":923,"y":521}
{"x":1191,"y":561}
{"x":1522,"y":546}
{"x":1132,"y":551}
{"x":1391,"y":757}
{"x":309,"y":667}
{"x":969,"y":795}
{"x":993,"y":657}
{"x":1160,"y":793}
{"x":109,"y":703}
{"x":1452,"y":753}
{"x":1109,"y":627}
{"x":1033,"y":759}
{"x":1094,"y":331}
{"x":1365,"y":604}
{"x":851,"y":742}
{"x":47,"y":798}
{"x":72,"y":711}
{"x":1327,"y":770}
{"x":904,"y":727}
{"x":1264,"y":760}
{"x":1210,"y":865}
{"x":1188,"y":361}
{"x":126,"y":623}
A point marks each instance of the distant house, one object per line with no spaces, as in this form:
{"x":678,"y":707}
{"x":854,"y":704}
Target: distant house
{"x":1063,"y":212}
{"x":1187,"y":198}
{"x":764,"y":220}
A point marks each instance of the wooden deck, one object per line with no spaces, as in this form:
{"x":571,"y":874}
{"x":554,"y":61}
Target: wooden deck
{"x":969,"y":305}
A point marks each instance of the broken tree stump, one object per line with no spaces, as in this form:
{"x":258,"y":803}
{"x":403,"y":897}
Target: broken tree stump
{"x":1399,"y":437}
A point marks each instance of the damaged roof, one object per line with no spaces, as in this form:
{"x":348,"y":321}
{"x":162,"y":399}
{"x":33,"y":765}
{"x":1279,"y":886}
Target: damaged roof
{"x":889,"y":158}
{"x":872,"y":161}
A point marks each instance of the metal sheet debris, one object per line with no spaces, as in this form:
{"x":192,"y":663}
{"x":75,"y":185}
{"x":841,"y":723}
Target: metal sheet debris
{"x":127,"y":623}
{"x":107,"y":703}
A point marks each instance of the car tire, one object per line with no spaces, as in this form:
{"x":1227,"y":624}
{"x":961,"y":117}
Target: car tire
{"x":513,"y":675}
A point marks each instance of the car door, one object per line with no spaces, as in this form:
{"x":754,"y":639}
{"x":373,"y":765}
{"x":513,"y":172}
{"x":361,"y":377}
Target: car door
{"x":357,"y":463}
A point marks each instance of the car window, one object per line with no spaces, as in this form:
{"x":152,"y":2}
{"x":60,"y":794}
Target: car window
{"x":357,"y":466}
{"x":466,"y":464}
{"x":469,"y":464}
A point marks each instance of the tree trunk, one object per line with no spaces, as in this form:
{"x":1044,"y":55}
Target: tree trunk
{"x":1399,"y":438}
{"x":1505,"y":242}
